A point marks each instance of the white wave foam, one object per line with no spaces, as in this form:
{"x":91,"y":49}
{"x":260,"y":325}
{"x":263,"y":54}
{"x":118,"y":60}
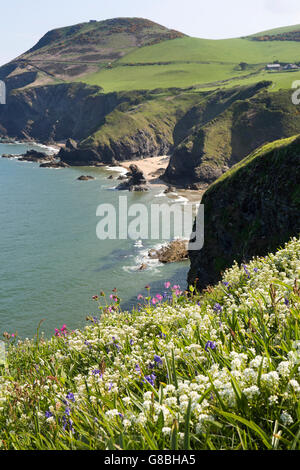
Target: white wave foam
{"x":119,"y":169}
{"x":162,"y":194}
{"x":183,"y":200}
{"x":142,"y":258}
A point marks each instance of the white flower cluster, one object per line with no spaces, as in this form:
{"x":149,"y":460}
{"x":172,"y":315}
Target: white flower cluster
{"x":196,"y":356}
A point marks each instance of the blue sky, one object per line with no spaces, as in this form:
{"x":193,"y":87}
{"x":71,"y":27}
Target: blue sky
{"x":23,"y":22}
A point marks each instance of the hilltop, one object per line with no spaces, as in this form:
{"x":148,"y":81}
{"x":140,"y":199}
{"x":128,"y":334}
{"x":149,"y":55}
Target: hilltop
{"x":75,"y":51}
{"x":288,"y":33}
{"x":125,"y":54}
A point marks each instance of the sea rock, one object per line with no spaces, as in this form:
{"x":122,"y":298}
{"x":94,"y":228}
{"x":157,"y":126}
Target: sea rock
{"x":169,"y":189}
{"x":136,"y":180}
{"x":85,"y":178}
{"x":79,"y":157}
{"x":173,"y":252}
{"x":34,"y":156}
{"x":143,"y":267}
{"x":58,"y":164}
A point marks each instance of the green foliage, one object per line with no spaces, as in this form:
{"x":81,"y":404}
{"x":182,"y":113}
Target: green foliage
{"x":211,"y":370}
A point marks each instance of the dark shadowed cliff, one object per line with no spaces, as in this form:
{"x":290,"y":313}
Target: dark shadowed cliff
{"x":252,"y":209}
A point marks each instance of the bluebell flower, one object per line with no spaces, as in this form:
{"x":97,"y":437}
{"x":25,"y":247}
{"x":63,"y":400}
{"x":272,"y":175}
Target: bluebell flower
{"x":246,"y":271}
{"x":217,"y":308}
{"x":158,"y":360}
{"x":150,"y":379}
{"x":70,"y":397}
{"x":210,"y":345}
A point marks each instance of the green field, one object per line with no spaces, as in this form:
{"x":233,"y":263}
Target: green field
{"x":191,"y":61}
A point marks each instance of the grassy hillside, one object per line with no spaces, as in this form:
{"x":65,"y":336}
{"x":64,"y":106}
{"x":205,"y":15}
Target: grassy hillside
{"x":74,"y":51}
{"x":250,"y":210}
{"x":278,"y":31}
{"x":229,"y":125}
{"x":191,"y":61}
{"x":217,"y":370}
{"x":133,"y":53}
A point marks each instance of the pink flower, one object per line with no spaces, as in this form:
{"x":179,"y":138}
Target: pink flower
{"x":154,"y":301}
{"x":167,"y":285}
{"x":140,"y":297}
{"x":176,"y":287}
{"x":159,"y":297}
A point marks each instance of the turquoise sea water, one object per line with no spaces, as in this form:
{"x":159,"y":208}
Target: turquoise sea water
{"x":51,"y":261}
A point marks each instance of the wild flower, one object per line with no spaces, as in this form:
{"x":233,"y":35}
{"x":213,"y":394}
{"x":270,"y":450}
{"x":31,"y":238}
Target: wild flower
{"x":216,"y":358}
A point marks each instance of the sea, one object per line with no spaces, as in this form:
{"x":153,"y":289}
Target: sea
{"x":51,"y":261}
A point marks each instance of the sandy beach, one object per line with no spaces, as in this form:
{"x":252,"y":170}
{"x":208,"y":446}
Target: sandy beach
{"x":153,"y":168}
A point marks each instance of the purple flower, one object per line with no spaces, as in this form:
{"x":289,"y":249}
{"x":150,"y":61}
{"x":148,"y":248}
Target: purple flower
{"x":210,"y":345}
{"x":150,"y":379}
{"x":131,"y":342}
{"x":48,"y":414}
{"x":71,"y":397}
{"x":158,"y":360}
{"x":286,"y":301}
{"x":217,"y":308}
{"x":246,"y":271}
{"x":97,"y":372}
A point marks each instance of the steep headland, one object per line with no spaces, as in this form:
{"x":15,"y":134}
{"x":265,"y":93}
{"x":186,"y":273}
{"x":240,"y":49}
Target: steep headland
{"x":65,"y":54}
{"x":252,"y":209}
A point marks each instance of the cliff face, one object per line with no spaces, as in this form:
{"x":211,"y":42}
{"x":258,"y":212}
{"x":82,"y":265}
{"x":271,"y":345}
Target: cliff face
{"x":253,"y":209}
{"x":205,"y":133}
{"x":159,"y":123}
{"x":241,"y":124}
{"x":141,"y":126}
{"x":55,"y":113}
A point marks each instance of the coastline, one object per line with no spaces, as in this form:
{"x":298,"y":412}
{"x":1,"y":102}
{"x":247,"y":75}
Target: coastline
{"x":152,"y":167}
